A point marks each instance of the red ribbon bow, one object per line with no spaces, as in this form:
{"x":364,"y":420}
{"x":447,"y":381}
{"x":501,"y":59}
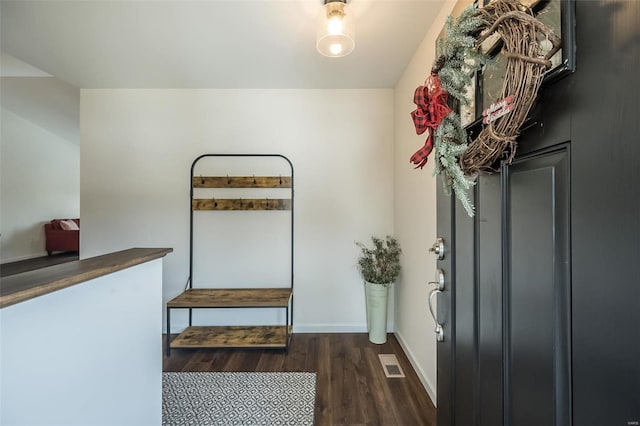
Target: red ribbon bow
{"x":431,"y":102}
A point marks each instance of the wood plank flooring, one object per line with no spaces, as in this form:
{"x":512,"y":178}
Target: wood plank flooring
{"x":13,"y":268}
{"x":351,"y":386}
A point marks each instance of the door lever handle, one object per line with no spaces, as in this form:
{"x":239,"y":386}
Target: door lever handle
{"x":439,"y":280}
{"x":438,"y":330}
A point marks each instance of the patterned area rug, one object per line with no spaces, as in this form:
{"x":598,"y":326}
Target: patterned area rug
{"x":243,"y":399}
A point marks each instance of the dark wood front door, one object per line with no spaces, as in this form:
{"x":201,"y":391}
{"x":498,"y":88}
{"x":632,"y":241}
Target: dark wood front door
{"x":541,"y":306}
{"x":507,"y":335}
{"x":535,"y":290}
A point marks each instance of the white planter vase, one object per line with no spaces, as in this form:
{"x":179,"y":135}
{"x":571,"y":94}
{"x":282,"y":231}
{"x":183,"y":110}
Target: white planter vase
{"x":377,"y":296}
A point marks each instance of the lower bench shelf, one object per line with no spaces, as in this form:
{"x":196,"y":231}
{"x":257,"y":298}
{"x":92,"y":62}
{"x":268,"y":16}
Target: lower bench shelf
{"x":233,"y":337}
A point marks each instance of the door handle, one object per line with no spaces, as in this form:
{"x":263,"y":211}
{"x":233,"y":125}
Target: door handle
{"x":439,"y":281}
{"x":438,"y":330}
{"x":439,"y":284}
{"x":438,"y":248}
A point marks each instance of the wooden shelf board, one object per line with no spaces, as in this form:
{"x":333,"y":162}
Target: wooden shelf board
{"x":232,"y":337}
{"x":232,"y":298}
{"x":241,"y":204}
{"x":241,"y":181}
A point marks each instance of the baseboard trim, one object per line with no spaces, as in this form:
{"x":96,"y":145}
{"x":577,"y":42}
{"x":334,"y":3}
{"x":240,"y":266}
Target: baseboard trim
{"x":330,"y":328}
{"x":306,"y":328}
{"x":335,"y":328}
{"x":428,"y":386}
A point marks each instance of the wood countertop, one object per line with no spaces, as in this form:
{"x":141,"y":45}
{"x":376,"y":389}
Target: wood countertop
{"x":28,"y":285}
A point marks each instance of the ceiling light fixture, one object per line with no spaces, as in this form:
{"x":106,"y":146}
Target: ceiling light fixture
{"x":335,"y":36}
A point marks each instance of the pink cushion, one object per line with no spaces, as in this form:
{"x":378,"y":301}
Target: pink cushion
{"x":69,"y":225}
{"x":55,"y":224}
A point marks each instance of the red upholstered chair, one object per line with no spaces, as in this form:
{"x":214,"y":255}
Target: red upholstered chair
{"x":59,"y":239}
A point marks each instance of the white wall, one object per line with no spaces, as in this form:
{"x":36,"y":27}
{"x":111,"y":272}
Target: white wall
{"x":85,"y":355}
{"x":415,"y":218}
{"x":138,"y":145}
{"x":40,"y":162}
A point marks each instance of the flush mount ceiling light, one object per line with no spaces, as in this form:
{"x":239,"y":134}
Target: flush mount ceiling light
{"x":335,"y":29}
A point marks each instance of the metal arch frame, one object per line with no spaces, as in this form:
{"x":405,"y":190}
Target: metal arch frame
{"x":190,"y":279}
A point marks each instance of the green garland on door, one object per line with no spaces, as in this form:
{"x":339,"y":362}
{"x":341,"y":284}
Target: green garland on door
{"x":457,"y":160}
{"x":458,"y":61}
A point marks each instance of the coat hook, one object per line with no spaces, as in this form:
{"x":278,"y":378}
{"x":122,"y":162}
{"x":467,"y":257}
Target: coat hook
{"x":201,"y":180}
{"x":240,"y":202}
{"x":215,"y":203}
{"x":254,"y":179}
{"x":228,"y":180}
{"x":280,"y":179}
{"x":267,"y":203}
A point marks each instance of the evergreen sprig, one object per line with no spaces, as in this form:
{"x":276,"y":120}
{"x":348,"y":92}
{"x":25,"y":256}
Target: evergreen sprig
{"x":459,"y":59}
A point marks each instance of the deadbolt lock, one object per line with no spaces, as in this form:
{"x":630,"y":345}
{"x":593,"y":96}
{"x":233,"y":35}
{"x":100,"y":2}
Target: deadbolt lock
{"x":438,"y":248}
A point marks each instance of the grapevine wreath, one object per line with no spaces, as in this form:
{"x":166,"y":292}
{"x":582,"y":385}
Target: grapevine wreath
{"x":459,"y":161}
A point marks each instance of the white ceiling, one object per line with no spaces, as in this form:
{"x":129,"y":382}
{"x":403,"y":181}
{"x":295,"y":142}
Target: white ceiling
{"x":210,"y":43}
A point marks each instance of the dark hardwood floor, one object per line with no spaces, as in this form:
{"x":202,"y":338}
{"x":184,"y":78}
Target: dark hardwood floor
{"x":351,"y":387}
{"x":21,"y":266}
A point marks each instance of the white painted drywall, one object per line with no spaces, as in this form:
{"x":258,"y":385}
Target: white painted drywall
{"x":137,"y":148}
{"x":415,"y":218}
{"x":86,"y":355}
{"x":39,"y":162}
